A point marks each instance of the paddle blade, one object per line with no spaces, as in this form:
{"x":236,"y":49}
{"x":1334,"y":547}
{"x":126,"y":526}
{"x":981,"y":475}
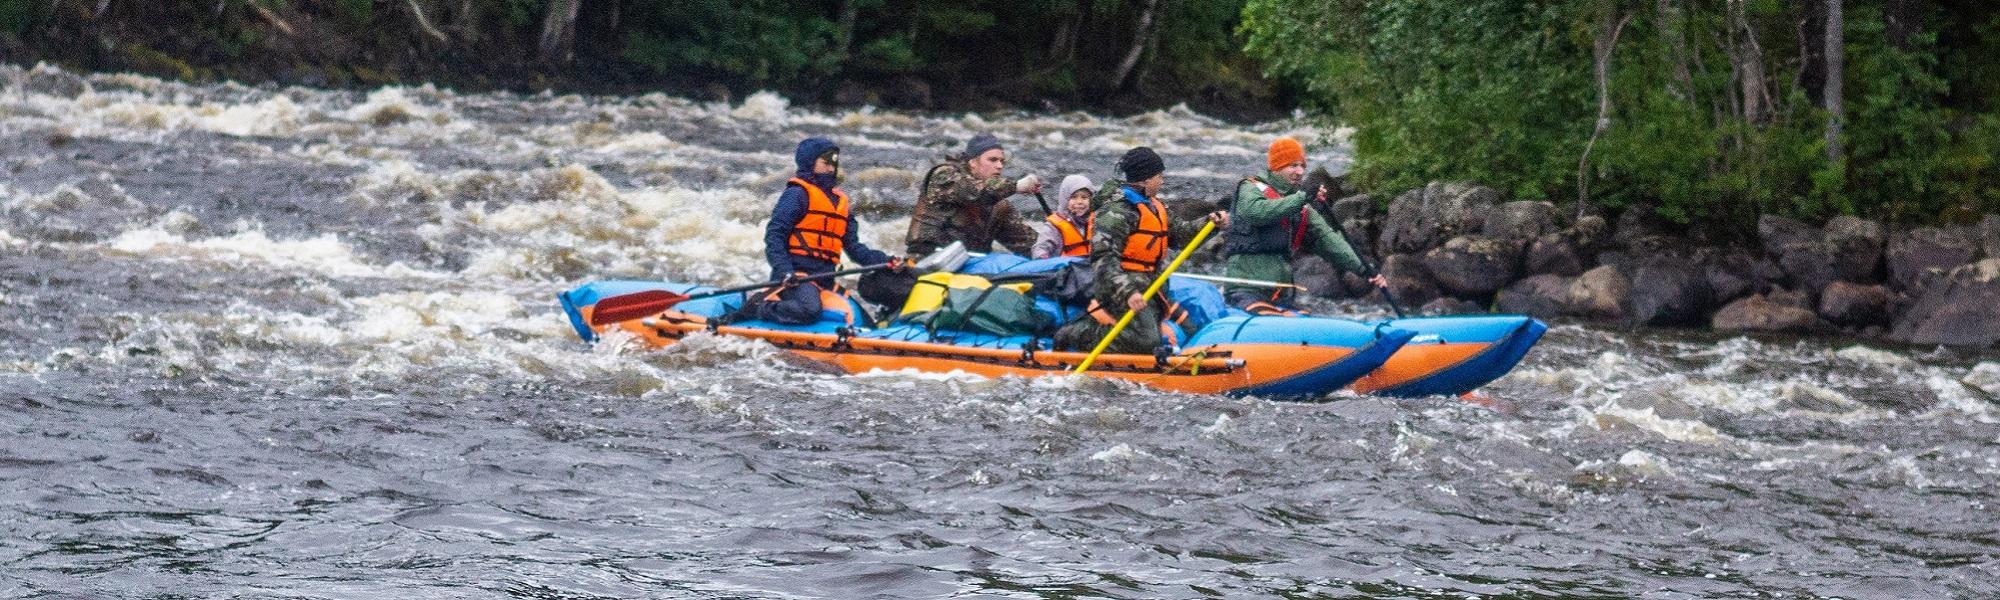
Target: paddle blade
{"x":948,"y":258}
{"x":625,"y":307}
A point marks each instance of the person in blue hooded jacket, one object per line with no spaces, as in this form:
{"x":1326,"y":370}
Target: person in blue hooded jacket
{"x":811,"y":227}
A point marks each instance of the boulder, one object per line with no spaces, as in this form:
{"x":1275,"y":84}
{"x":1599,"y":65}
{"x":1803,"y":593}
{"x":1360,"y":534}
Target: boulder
{"x":1961,"y":309}
{"x":1855,"y":304}
{"x":1599,"y":294}
{"x":1319,"y":277}
{"x":1778,"y":232}
{"x":1409,"y":280}
{"x":1731,"y":274}
{"x":1792,"y":298}
{"x":1857,"y":245}
{"x":1618,"y":259}
{"x":1541,"y":296}
{"x":1756,"y":314}
{"x":1917,"y":256}
{"x":1451,"y":306}
{"x":1809,"y":265}
{"x":1668,"y":291}
{"x":1361,"y":206}
{"x":1474,"y":266}
{"x":1553,"y":253}
{"x":1520,"y":220}
{"x":1639,"y":222}
{"x":1589,"y":232}
{"x":1420,"y":219}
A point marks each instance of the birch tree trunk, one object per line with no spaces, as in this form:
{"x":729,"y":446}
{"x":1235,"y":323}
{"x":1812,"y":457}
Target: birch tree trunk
{"x":1836,"y":50}
{"x":1601,"y":49}
{"x":1140,"y":40}
{"x":558,"y":27}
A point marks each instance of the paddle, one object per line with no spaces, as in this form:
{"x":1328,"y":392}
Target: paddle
{"x":1045,"y":204}
{"x":1147,"y":297}
{"x":1249,"y":282}
{"x":625,"y":307}
{"x":1391,"y":298}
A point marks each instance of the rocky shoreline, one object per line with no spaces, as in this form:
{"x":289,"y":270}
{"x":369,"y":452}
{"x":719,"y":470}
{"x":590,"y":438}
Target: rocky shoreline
{"x":1459,"y":248}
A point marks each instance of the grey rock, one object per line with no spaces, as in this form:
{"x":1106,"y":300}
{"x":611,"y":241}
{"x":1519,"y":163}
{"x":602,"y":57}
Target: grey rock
{"x":1668,"y":291}
{"x":1520,"y":220}
{"x":1778,"y":232}
{"x":1319,"y":277}
{"x":1857,"y":246}
{"x":1553,"y":253}
{"x":1542,"y":296}
{"x":1360,"y":206}
{"x":1854,"y":304}
{"x":1918,"y":256}
{"x":1420,"y":219}
{"x":1599,"y":294}
{"x":1451,"y":306}
{"x":1961,"y":309}
{"x":1474,"y":266}
{"x":1757,"y":314}
{"x":1409,"y":280}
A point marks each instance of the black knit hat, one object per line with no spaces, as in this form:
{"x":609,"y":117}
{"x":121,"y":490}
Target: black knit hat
{"x":1140,"y":164}
{"x":979,"y":144}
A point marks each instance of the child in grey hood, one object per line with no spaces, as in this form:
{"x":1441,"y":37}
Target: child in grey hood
{"x":1067,"y":231}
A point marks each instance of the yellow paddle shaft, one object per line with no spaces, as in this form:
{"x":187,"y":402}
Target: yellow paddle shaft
{"x":1146,"y":297}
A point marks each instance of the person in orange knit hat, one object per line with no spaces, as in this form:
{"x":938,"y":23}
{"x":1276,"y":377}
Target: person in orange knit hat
{"x":1271,"y":223}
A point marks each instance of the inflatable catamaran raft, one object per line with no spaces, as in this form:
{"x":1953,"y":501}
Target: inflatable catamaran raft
{"x":1228,"y":351}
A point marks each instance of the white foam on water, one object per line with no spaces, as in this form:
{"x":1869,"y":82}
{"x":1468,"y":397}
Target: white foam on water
{"x":1119,"y":453}
{"x":763,"y":106}
{"x":1614,"y":417}
{"x":394,"y":105}
{"x":1864,"y":354}
{"x":321,"y":254}
{"x":1985,"y":375}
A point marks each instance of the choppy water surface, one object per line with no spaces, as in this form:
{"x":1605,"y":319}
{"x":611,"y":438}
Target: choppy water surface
{"x":301,"y":343}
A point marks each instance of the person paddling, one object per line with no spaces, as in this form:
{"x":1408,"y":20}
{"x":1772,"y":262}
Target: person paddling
{"x":811,"y":227}
{"x":964,"y":200}
{"x":1271,"y":223}
{"x":1132,"y":234}
{"x":1066,"y":231}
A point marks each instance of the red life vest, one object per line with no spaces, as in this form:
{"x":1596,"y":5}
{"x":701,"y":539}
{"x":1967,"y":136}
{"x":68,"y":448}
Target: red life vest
{"x":1074,"y":243}
{"x":820,"y":233}
{"x":1296,"y":224}
{"x":1148,"y":241}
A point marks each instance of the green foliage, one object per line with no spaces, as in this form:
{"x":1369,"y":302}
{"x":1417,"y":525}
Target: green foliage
{"x":16,"y":15}
{"x":357,"y":13}
{"x":1504,"y":93}
{"x":759,"y":41}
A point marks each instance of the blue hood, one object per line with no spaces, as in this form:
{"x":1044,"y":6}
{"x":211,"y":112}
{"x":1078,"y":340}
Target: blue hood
{"x":809,"y":151}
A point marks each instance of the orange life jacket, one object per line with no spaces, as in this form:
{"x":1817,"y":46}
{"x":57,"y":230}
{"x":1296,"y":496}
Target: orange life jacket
{"x":819,"y":233}
{"x":1148,"y":241}
{"x":1074,"y":243}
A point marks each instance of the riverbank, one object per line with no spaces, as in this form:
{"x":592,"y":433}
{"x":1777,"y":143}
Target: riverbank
{"x":1460,"y":247}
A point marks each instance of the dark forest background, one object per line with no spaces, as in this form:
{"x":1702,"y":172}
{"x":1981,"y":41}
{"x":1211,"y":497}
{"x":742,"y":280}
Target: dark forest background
{"x":1708,"y":112}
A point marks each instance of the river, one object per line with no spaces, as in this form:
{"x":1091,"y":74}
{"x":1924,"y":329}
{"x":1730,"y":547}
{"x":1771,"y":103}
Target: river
{"x":296,"y":343}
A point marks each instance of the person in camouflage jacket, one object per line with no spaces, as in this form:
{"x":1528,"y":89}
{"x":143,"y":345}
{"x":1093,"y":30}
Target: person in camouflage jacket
{"x":1120,"y":274}
{"x":964,"y":200}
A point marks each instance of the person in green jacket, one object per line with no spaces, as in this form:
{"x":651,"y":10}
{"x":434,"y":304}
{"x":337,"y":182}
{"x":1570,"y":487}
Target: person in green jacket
{"x":1270,"y":222}
{"x":1128,"y":247}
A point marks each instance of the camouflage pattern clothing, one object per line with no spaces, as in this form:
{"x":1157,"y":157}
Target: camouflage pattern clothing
{"x":1112,"y":284}
{"x":956,"y":207}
